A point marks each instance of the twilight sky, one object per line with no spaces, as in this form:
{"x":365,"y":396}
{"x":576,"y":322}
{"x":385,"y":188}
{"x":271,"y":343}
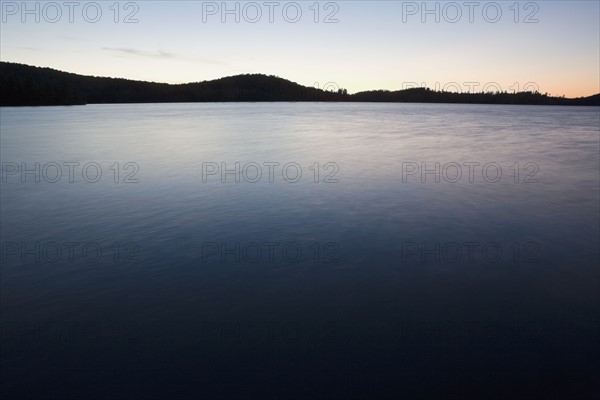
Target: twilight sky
{"x":373,"y":44}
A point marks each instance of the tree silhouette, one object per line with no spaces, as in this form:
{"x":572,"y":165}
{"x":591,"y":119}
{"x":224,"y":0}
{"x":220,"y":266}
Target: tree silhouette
{"x":24,"y":85}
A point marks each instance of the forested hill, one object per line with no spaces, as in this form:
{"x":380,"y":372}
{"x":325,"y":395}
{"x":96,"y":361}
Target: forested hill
{"x":24,"y":85}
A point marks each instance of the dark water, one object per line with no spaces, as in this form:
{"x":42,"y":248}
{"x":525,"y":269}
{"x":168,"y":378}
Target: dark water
{"x":447,"y":250}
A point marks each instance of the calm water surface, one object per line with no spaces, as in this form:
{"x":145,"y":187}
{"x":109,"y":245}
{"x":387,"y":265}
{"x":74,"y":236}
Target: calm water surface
{"x":431,"y":246}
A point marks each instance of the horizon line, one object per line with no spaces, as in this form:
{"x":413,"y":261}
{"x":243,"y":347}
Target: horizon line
{"x":279,"y":77}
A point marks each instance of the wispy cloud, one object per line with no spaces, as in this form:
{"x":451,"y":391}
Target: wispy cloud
{"x":136,"y":52}
{"x":25,"y":48}
{"x":159,"y":54}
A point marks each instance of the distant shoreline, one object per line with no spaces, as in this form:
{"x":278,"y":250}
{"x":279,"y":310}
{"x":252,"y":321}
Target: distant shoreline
{"x":24,"y":85}
{"x":313,"y":102}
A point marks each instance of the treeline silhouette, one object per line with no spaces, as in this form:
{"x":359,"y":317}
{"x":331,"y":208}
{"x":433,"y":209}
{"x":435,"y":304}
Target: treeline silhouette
{"x":25,"y":85}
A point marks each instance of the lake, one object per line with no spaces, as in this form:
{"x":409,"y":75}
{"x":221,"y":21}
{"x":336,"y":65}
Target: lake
{"x":299,"y":250}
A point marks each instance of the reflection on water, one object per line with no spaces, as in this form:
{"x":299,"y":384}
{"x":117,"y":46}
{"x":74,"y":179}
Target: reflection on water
{"x":178,"y":247}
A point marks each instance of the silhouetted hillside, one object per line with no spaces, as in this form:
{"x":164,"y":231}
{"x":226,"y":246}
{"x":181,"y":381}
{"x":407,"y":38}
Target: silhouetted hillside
{"x":426,"y":95}
{"x":24,"y":85}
